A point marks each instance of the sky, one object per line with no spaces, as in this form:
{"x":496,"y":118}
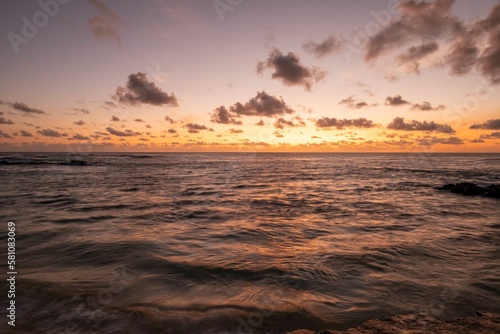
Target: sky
{"x":250,"y":75}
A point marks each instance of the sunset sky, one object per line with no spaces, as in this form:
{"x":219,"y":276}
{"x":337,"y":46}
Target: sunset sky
{"x":250,"y":75}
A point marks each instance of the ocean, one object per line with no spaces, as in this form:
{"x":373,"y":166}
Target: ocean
{"x":245,"y":242}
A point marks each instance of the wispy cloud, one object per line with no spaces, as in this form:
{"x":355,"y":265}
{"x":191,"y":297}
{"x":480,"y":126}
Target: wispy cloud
{"x":106,"y":25}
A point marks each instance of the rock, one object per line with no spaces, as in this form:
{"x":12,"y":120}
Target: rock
{"x":493,"y":191}
{"x":471,"y":189}
{"x":77,"y":163}
{"x":483,"y":323}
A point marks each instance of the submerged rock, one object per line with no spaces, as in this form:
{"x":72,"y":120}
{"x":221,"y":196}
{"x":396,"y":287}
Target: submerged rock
{"x":471,"y":189}
{"x":77,"y":163}
{"x":483,"y":323}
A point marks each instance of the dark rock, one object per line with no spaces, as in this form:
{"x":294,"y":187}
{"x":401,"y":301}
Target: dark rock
{"x":77,"y":163}
{"x":493,"y":191}
{"x":471,"y":189}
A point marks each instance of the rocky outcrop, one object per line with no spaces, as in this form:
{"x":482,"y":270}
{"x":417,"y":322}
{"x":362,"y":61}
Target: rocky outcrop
{"x":471,"y":189}
{"x":483,"y":323}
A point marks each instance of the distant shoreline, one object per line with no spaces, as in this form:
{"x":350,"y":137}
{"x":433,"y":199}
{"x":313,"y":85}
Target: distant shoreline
{"x":482,"y":323}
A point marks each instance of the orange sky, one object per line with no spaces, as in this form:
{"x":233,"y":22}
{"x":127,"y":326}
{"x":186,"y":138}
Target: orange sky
{"x":104,"y":75}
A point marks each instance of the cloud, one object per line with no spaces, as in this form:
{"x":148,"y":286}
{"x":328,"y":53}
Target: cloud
{"x":395,"y":101}
{"x":28,"y":110}
{"x":169,"y":119}
{"x":492,"y":124}
{"x":427,"y":106}
{"x":172,"y":131}
{"x":418,"y":21}
{"x":414,"y":54}
{"x":79,"y":137}
{"x":106,"y":25}
{"x":489,"y":62}
{"x":5,"y":121}
{"x":235,"y":131}
{"x":196,"y":128}
{"x":330,"y":45}
{"x":141,"y":91}
{"x":493,"y":135}
{"x":399,"y":123}
{"x":352,"y":102}
{"x":260,"y":123}
{"x":290,"y":70}
{"x":126,"y":133}
{"x":115,"y":119}
{"x":471,"y":44}
{"x":82,"y":110}
{"x":25,"y":133}
{"x":5,"y":135}
{"x":139,"y":120}
{"x":223,"y":116}
{"x":434,"y":140}
{"x":80,"y":123}
{"x":281,"y":123}
{"x":51,"y":133}
{"x":262,"y":105}
{"x":340,"y":124}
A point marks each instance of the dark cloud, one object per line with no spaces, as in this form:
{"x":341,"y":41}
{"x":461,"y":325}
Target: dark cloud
{"x":24,"y":108}
{"x":223,"y":116}
{"x":126,"y":133}
{"x":461,"y":57}
{"x":172,"y":131}
{"x":399,"y":123}
{"x":25,"y":133}
{"x":434,"y":140}
{"x":281,"y":123}
{"x":489,"y":62}
{"x":492,"y":124}
{"x":395,"y":101}
{"x":352,"y":102}
{"x":115,"y":119}
{"x":260,"y":123}
{"x":328,"y":46}
{"x":51,"y":133}
{"x":81,"y":110}
{"x":169,"y":119}
{"x":141,"y":91}
{"x":340,"y":124}
{"x":5,"y":135}
{"x":289,"y":69}
{"x":106,"y":25}
{"x":5,"y":121}
{"x":426,"y":106}
{"x":109,"y":105}
{"x":493,"y":135}
{"x":139,"y":120}
{"x":80,"y":123}
{"x":235,"y":131}
{"x":196,"y":128}
{"x":418,"y":21}
{"x":79,"y":137}
{"x":414,"y":54}
{"x":262,"y":105}
{"x":473,"y":44}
